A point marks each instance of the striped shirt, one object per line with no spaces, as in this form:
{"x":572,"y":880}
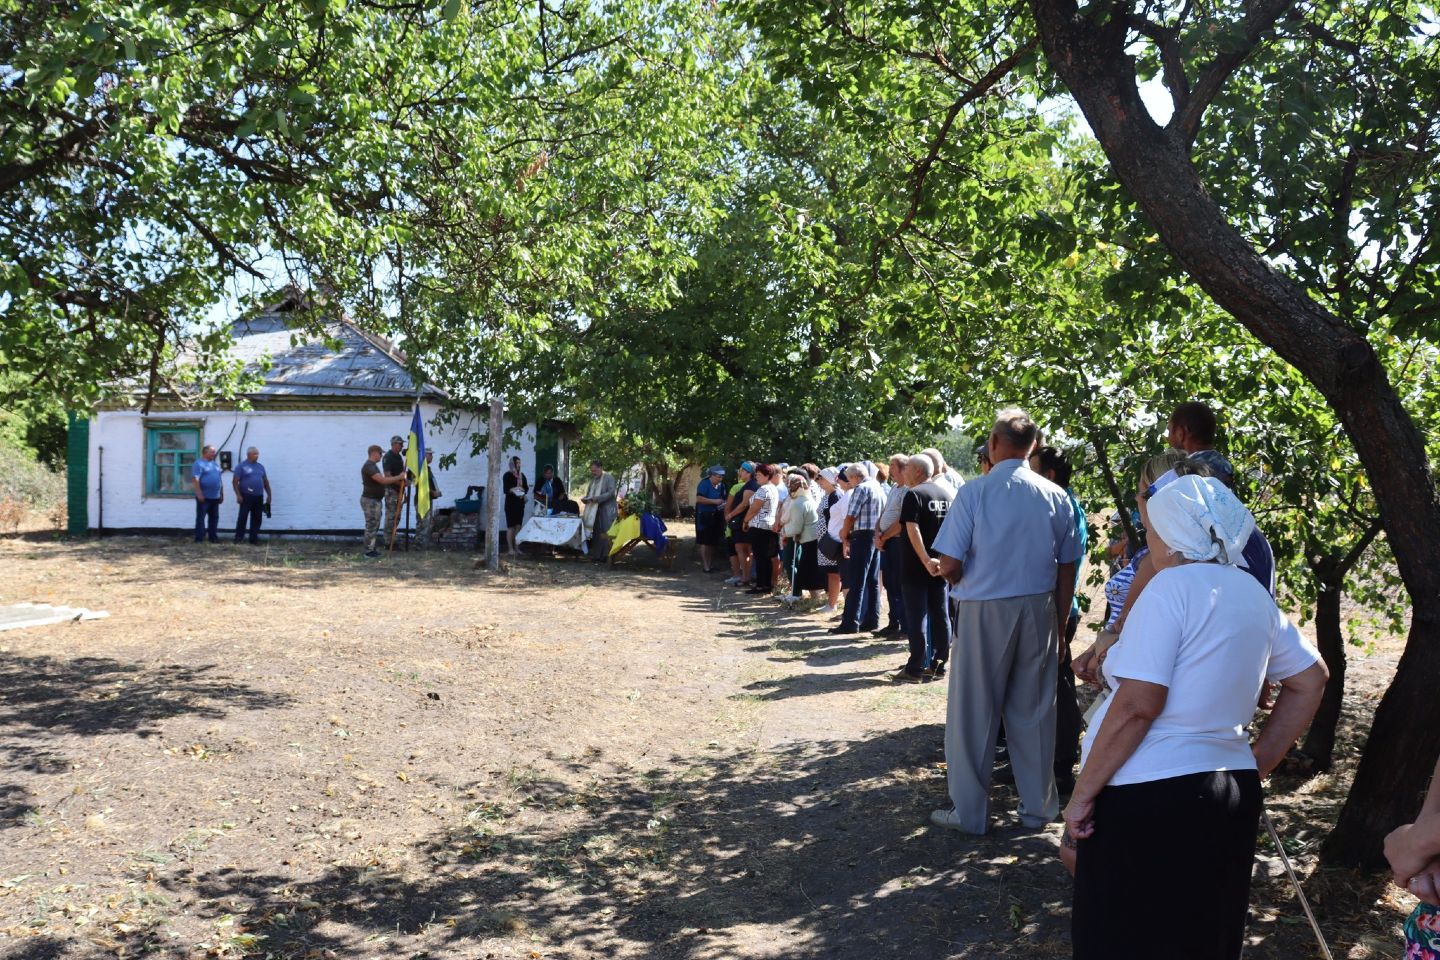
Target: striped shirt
{"x":867,"y":502}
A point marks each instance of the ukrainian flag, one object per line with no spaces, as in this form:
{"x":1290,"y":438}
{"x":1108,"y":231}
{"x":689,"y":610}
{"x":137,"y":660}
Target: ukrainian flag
{"x":415,"y":463}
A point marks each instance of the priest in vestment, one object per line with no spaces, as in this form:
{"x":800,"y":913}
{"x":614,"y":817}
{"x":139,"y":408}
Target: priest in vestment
{"x":600,"y":511}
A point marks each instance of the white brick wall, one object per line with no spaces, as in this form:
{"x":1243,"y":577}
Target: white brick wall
{"x":313,"y":461}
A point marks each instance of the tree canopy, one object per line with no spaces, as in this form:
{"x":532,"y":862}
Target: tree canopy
{"x":800,"y":229}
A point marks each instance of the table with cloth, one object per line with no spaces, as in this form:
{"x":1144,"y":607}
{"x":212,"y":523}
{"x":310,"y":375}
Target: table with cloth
{"x":566,"y":532}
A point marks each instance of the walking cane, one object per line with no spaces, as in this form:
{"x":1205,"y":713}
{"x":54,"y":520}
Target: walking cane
{"x":1295,"y":882}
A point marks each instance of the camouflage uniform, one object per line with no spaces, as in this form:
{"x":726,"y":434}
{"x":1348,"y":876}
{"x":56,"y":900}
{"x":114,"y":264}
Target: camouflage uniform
{"x":372,"y":508}
{"x":392,"y":514}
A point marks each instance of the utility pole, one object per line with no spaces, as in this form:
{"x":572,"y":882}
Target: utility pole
{"x":494,"y":496}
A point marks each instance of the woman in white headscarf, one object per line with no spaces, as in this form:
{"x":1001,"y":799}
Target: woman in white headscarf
{"x":1163,"y":817}
{"x":829,"y":506}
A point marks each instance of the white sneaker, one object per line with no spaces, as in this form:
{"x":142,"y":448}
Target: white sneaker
{"x":947,"y":818}
{"x":732,"y":580}
{"x":828,"y":608}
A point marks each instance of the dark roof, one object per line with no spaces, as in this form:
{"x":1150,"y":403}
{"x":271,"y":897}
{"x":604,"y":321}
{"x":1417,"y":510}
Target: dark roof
{"x":307,"y":364}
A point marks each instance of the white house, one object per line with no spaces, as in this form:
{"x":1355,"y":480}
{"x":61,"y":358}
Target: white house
{"x":313,"y":421}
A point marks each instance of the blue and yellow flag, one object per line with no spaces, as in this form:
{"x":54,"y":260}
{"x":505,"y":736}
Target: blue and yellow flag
{"x":415,"y":463}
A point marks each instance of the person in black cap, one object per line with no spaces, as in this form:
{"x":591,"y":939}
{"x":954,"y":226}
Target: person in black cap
{"x":710,"y":499}
{"x":394,"y":466}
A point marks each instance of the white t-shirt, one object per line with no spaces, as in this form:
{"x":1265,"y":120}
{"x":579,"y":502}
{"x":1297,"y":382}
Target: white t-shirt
{"x":768,"y":496}
{"x":837,"y":514}
{"x":1212,"y":635}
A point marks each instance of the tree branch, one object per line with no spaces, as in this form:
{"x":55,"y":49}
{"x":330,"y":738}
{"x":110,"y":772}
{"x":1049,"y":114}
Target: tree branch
{"x":1261,"y":16}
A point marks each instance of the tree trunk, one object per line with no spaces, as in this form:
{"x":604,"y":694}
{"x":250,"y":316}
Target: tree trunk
{"x":494,"y":496}
{"x":662,"y":487}
{"x":1320,"y":740}
{"x":1154,"y":165}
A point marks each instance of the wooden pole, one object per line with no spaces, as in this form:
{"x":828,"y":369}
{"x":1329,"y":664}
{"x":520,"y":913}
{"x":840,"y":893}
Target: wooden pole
{"x":494,"y":496}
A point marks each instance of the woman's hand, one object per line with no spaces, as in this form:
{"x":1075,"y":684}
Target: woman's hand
{"x":1087,"y":665}
{"x":933,"y":565}
{"x":1079,"y":816}
{"x":1426,"y":884}
{"x":1409,"y":859}
{"x":1068,"y":852}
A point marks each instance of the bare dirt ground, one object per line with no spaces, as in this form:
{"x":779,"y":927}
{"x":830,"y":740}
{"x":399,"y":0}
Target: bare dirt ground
{"x":289,"y":751}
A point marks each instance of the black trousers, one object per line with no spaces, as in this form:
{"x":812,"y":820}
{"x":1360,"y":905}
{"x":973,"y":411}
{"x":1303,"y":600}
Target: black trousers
{"x":1167,"y":871}
{"x":251,"y":508}
{"x":764,"y":545}
{"x":1068,"y":719}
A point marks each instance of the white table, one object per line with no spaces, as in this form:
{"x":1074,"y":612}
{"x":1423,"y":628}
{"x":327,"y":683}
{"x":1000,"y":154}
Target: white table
{"x":554,"y":531}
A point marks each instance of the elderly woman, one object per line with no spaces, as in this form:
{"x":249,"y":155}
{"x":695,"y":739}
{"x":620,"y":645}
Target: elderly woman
{"x":801,"y":532}
{"x":1126,"y":584}
{"x":762,"y":519}
{"x":829,"y":506}
{"x":1163,"y":818}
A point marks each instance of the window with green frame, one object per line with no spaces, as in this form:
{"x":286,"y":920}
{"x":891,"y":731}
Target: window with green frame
{"x":170,"y":451}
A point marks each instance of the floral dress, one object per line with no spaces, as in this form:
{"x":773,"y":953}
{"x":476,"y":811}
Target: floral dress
{"x":1422,"y":933}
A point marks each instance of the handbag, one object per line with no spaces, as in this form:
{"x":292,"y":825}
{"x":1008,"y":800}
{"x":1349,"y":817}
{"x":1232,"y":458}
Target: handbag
{"x":831,"y":547}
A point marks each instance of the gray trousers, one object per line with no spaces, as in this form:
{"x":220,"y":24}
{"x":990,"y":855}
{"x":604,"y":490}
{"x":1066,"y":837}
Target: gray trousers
{"x":1004,"y":658}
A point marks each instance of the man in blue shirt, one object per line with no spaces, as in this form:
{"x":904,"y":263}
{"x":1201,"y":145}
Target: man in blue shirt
{"x":1008,"y":548}
{"x":862,"y":521}
{"x":205,"y":474}
{"x":252,"y":490}
{"x":1053,"y":465}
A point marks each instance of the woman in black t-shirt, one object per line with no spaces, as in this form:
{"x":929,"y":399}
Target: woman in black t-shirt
{"x":735,"y":516}
{"x":516,"y":488}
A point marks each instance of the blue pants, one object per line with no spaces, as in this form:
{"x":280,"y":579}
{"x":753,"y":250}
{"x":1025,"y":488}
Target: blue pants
{"x":891,"y":563}
{"x":928,"y":624}
{"x":252,"y":509}
{"x":207,"y":513}
{"x":862,"y":603}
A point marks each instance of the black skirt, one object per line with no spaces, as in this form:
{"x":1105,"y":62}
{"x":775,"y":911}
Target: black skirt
{"x":1164,"y":853}
{"x":808,"y":575}
{"x":709,"y":528}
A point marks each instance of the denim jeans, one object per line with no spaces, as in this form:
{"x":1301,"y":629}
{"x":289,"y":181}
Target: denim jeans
{"x":862,"y":603}
{"x":927,"y":623}
{"x":207,"y":513}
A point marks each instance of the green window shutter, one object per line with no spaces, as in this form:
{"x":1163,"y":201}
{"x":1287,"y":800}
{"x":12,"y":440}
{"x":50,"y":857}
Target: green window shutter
{"x":77,"y":473}
{"x":170,"y":451}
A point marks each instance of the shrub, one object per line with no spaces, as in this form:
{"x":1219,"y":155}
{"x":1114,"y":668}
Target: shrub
{"x":28,"y":489}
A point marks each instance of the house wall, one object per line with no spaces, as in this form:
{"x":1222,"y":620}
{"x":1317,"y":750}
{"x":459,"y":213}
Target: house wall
{"x":313,"y":460}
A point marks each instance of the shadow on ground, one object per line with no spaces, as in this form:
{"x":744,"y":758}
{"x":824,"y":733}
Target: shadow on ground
{"x":820,"y":847}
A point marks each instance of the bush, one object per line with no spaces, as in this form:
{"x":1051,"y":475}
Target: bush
{"x":29,"y":490}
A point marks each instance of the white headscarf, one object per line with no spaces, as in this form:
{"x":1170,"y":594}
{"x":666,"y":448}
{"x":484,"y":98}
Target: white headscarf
{"x":1199,"y":518}
{"x":831,"y":474}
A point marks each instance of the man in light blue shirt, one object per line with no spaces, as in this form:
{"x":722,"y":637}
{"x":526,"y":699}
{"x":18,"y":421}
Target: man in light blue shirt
{"x":252,"y":491}
{"x":1008,"y":548}
{"x":862,"y":520}
{"x":205,"y":474}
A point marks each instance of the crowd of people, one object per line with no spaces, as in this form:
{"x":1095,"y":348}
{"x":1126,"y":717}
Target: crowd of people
{"x":982,"y":578}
